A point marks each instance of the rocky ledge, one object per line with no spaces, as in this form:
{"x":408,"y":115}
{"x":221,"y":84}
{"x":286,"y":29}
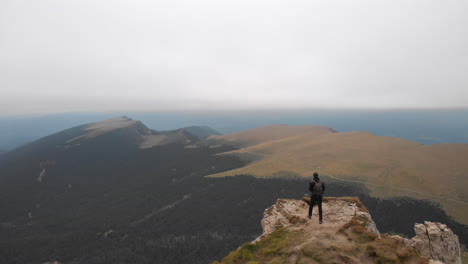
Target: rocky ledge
{"x":348,"y":235}
{"x":435,"y":241}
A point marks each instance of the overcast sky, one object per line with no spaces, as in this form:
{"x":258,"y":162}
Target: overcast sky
{"x":110,"y":55}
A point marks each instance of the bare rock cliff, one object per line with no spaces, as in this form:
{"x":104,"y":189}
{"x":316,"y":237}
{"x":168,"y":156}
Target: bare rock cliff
{"x":348,"y":235}
{"x":336,"y":212}
{"x":435,"y":241}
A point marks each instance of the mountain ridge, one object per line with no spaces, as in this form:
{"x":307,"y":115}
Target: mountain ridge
{"x":264,"y":134}
{"x":130,"y":131}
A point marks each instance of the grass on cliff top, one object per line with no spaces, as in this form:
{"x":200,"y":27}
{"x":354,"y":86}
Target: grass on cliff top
{"x":273,"y":248}
{"x":279,"y":247}
{"x":353,"y":244}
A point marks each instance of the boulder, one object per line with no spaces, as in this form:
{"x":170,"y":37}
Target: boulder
{"x":435,"y":241}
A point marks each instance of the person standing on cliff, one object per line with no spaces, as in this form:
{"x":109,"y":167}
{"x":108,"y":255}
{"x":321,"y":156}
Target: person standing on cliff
{"x":317,"y":188}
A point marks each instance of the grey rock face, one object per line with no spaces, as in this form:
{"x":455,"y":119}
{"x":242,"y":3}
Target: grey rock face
{"x":437,"y":242}
{"x":287,"y":213}
{"x":370,"y":225}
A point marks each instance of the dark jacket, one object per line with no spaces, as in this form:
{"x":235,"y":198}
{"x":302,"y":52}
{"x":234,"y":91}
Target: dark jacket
{"x":312,"y":185}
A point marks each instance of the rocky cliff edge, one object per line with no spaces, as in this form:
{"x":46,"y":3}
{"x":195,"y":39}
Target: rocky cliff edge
{"x":348,"y":235}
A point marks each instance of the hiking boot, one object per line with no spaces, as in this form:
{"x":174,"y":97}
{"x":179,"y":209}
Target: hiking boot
{"x":320,"y":222}
{"x":309,"y":216}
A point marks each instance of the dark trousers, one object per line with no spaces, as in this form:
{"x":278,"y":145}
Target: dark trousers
{"x":316,"y":199}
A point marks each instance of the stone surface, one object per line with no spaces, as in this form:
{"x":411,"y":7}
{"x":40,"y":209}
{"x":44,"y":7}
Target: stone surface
{"x":370,"y":225}
{"x":435,"y":241}
{"x":287,"y":213}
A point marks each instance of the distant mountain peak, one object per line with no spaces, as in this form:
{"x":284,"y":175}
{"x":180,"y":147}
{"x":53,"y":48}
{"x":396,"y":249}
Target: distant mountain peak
{"x":105,"y":126}
{"x":145,"y":137}
{"x":113,"y":123}
{"x":114,"y":132}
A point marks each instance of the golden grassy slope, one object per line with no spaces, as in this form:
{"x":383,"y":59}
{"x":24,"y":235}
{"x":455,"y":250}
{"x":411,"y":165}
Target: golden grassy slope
{"x":265,"y":134}
{"x":389,"y":165}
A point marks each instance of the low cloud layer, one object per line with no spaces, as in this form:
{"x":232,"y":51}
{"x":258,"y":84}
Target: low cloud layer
{"x":87,"y":55}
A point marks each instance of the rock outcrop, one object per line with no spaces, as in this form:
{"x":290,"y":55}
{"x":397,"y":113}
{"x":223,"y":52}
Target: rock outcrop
{"x":336,"y":212}
{"x":348,"y":235}
{"x":435,"y":241}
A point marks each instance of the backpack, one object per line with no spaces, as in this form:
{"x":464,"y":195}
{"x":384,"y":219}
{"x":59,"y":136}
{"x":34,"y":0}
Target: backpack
{"x":317,"y":189}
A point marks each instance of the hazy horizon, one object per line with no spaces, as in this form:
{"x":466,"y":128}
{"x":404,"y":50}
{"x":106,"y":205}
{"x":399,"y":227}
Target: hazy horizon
{"x":117,"y":112}
{"x":146,"y":56}
{"x":425,"y":127}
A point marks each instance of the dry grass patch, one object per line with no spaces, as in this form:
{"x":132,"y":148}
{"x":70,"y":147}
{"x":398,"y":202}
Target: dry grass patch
{"x":381,"y":250}
{"x":389,"y":250}
{"x":273,"y":248}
